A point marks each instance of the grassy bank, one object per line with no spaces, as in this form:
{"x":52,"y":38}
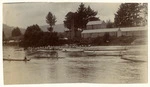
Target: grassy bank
{"x":113,"y":41}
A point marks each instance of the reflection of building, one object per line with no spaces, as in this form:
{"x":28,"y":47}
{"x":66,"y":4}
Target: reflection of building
{"x":130,"y":31}
{"x":96,"y":25}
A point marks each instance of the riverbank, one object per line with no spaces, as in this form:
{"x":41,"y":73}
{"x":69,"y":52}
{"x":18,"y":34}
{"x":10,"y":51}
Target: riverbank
{"x":119,"y":41}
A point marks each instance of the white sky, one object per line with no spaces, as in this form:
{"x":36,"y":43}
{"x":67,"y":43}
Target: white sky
{"x":26,"y":14}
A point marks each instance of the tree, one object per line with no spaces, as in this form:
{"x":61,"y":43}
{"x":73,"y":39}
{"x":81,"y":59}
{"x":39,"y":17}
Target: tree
{"x":35,"y":37}
{"x":144,"y":13}
{"x":91,"y":15}
{"x":109,"y":24}
{"x":80,"y":18}
{"x":32,"y":36}
{"x":48,"y":38}
{"x":4,"y":36}
{"x":16,"y":32}
{"x":128,"y":15}
{"x":106,"y":37}
{"x":51,"y":20}
{"x":71,"y":18}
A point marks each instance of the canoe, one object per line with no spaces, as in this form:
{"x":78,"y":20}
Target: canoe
{"x":102,"y":53}
{"x":72,"y":50}
{"x":104,"y":48}
{"x":95,"y":53}
{"x":18,"y":50}
{"x":16,"y":59}
{"x":46,"y":57}
{"x":135,"y":58}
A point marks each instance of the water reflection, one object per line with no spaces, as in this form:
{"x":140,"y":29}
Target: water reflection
{"x":96,"y":69}
{"x":133,"y":72}
{"x":82,"y":69}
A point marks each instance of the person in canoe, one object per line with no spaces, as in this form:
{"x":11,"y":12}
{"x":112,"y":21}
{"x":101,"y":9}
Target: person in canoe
{"x":25,"y":58}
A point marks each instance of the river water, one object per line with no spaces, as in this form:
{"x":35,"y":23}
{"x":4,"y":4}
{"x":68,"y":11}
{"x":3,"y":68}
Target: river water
{"x":89,"y":69}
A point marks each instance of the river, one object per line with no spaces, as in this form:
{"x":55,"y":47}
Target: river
{"x":89,"y":69}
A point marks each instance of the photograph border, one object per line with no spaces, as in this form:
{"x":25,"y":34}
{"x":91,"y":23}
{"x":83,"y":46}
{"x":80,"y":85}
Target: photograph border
{"x":67,"y":84}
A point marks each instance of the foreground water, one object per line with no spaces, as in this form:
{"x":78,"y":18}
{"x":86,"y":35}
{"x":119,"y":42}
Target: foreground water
{"x":89,"y":69}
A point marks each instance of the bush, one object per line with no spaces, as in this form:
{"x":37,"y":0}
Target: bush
{"x":106,"y":37}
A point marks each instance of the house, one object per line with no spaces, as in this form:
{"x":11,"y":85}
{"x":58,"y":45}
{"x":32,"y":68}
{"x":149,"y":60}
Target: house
{"x":129,"y":31}
{"x":95,"y":25}
{"x":76,"y":33}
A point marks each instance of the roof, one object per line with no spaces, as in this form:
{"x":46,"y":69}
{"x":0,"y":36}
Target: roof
{"x":94,"y":22}
{"x":115,"y":29}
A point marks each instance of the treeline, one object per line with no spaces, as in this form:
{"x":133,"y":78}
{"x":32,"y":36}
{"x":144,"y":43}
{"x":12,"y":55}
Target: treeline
{"x":35,"y":37}
{"x":81,"y":17}
{"x":131,"y":15}
{"x":128,"y":15}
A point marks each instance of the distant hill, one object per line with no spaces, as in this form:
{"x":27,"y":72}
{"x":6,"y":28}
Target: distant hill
{"x":57,"y":28}
{"x":8,"y":29}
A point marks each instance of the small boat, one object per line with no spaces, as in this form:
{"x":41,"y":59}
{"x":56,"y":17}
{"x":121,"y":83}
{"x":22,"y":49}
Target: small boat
{"x":72,"y":50}
{"x":18,"y":50}
{"x":105,"y":48}
{"x":136,"y":54}
{"x":134,"y":58}
{"x":102,"y":53}
{"x":40,"y":57}
{"x":16,"y":59}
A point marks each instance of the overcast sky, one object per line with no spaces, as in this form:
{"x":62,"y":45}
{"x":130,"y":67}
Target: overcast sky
{"x":26,"y":14}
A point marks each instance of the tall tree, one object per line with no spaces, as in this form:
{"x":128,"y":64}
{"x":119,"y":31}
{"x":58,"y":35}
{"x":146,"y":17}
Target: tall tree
{"x":16,"y":32}
{"x":71,"y":18}
{"x":81,"y":17}
{"x":32,"y":35}
{"x":51,"y":20}
{"x":128,"y":15}
{"x":91,"y":15}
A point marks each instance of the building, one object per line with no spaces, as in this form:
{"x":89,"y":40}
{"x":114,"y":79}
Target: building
{"x":95,"y":25}
{"x":129,"y":31}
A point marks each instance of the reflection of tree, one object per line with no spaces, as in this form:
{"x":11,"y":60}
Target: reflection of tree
{"x":47,"y":54}
{"x":82,"y":70}
{"x":133,"y":71}
{"x":86,"y":72}
{"x":53,"y":72}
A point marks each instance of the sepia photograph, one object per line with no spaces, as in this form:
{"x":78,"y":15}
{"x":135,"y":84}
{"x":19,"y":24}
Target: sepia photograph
{"x":75,"y":42}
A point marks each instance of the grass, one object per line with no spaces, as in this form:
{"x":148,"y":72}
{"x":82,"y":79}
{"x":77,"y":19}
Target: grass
{"x":124,"y":40}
